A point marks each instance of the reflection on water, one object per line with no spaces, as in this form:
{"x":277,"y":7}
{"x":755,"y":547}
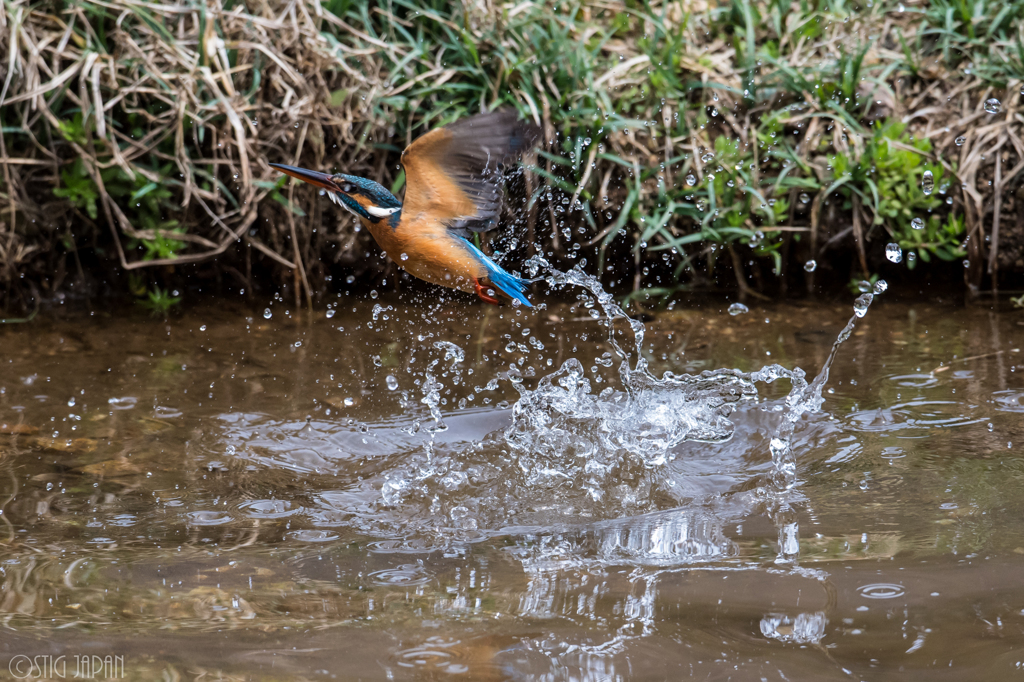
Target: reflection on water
{"x":408,"y":493}
{"x":805,"y":628}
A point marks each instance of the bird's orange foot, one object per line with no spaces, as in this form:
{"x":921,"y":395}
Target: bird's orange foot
{"x":485,"y":292}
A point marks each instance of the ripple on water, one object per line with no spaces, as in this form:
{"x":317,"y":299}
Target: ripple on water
{"x":915,"y":415}
{"x":360,"y":501}
{"x":432,"y":655}
{"x":268,"y":509}
{"x":1010,"y":400}
{"x":208,"y":518}
{"x":101,"y":541}
{"x":915,"y":380}
{"x":162,"y":412}
{"x":406,"y":574}
{"x":312,"y":536}
{"x":881,"y":591}
{"x":124,"y":403}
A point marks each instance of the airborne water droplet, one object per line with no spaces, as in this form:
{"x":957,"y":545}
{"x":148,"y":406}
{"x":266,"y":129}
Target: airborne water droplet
{"x":811,"y":265}
{"x":864,"y":286}
{"x":738,"y":309}
{"x":804,"y":197}
{"x":917,"y":224}
{"x":893,"y":252}
{"x":330,"y":313}
{"x":927,"y":183}
{"x":392,"y":382}
{"x":702,"y":205}
{"x":404,"y":256}
{"x":881,"y":286}
{"x":267,"y":314}
{"x":960,"y":141}
{"x":860,"y":306}
{"x":992,"y":105}
{"x":690,"y":180}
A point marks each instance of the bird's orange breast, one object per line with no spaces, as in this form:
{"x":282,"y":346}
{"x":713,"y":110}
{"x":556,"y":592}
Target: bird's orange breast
{"x":425,"y":248}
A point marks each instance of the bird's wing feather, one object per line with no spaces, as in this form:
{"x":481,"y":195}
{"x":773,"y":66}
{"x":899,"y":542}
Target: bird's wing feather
{"x":453,"y":173}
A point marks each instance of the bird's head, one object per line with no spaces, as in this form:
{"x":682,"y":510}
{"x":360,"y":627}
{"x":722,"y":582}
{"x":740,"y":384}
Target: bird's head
{"x":364,"y":198}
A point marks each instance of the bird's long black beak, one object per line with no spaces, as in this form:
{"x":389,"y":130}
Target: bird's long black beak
{"x":315,"y":178}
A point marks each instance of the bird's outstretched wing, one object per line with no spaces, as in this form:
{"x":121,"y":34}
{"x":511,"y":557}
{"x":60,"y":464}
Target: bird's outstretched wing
{"x":453,"y":173}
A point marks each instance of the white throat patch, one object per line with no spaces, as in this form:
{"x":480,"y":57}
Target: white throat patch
{"x":377,"y":212}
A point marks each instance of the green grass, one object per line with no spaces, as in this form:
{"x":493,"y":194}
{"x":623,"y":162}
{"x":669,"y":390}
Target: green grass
{"x":784,"y":114}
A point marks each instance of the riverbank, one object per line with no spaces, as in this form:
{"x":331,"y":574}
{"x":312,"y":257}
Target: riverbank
{"x":769,"y":148}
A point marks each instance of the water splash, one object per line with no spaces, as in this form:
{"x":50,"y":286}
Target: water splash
{"x":594,"y":471}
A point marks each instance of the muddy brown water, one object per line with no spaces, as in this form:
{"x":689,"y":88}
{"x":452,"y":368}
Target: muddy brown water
{"x":226,"y":496}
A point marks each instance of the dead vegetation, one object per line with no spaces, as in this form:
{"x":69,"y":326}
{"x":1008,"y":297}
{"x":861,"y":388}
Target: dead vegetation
{"x":136,"y":136}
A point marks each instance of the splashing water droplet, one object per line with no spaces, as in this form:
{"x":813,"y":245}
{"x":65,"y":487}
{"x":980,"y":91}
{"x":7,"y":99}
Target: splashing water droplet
{"x":267,"y":314}
{"x":349,"y":402}
{"x":690,"y":180}
{"x":911,"y":257}
{"x":893,"y":252}
{"x":860,"y":306}
{"x":330,"y":313}
{"x":404,"y":256}
{"x":967,"y":263}
{"x":702,"y":205}
{"x":804,"y":197}
{"x":959,"y":142}
{"x":707,"y":157}
{"x":373,"y":293}
{"x":917,"y":224}
{"x":392,"y":382}
{"x":738,"y":309}
{"x":811,"y":266}
{"x":992,"y":105}
{"x":927,"y":183}
{"x":881,"y":286}
{"x":806,"y":628}
{"x":863,"y":286}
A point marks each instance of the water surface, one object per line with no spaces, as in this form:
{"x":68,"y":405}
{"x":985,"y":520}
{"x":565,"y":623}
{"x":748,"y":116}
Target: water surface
{"x":400,"y":491}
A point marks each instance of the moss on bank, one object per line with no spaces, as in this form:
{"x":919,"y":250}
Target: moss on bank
{"x":689,"y":144}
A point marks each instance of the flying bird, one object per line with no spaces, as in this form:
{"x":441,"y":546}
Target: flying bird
{"x":452,"y":189}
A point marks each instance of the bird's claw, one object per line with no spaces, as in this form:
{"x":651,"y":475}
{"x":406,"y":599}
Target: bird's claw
{"x":485,"y":292}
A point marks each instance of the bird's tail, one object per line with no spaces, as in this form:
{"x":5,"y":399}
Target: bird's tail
{"x":510,"y":285}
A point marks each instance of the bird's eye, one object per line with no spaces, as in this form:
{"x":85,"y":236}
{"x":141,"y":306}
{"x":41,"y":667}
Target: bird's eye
{"x":347,"y":188}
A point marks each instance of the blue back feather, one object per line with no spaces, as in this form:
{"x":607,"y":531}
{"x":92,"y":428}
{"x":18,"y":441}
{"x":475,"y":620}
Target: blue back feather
{"x":510,"y":284}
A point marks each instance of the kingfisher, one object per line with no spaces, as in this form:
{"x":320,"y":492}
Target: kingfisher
{"x":452,"y":190}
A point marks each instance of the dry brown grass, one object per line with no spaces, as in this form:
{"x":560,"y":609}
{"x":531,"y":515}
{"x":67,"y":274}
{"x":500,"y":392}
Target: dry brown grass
{"x":195,"y":99}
